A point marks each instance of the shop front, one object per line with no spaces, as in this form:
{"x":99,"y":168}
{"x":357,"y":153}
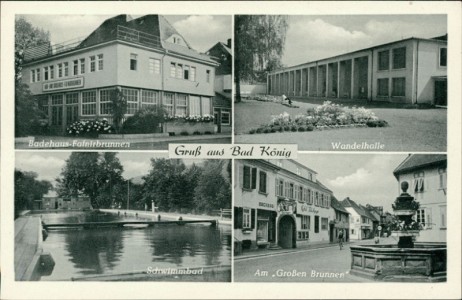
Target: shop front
{"x":266,"y":226}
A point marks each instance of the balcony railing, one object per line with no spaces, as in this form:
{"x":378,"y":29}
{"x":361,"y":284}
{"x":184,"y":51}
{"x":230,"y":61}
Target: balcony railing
{"x":138,"y":37}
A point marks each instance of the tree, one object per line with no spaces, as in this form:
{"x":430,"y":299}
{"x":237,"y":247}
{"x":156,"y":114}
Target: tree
{"x":118,"y":107}
{"x":259,"y":42}
{"x":213,"y":189}
{"x":27,"y":189}
{"x":99,"y":176}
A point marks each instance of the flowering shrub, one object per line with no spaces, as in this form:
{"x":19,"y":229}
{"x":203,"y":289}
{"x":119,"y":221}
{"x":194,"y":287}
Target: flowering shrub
{"x":89,"y":127}
{"x":398,"y":225}
{"x":145,"y":120}
{"x":191,"y":119}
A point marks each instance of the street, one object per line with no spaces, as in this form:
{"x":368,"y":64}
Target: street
{"x":328,"y":264}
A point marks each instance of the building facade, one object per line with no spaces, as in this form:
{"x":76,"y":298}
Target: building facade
{"x":52,"y":201}
{"x":146,"y":57}
{"x":409,"y":71}
{"x":427,"y":178}
{"x":279,"y":203}
{"x":340,"y":222}
{"x":361,"y":225}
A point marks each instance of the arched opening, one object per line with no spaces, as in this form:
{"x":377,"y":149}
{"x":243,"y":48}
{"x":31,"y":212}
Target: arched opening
{"x":286,"y":232}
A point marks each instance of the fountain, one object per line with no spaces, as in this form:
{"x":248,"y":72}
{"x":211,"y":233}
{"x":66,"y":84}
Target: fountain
{"x":408,"y":260}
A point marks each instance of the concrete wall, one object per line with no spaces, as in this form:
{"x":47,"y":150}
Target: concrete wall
{"x":253,"y":89}
{"x":428,"y":66}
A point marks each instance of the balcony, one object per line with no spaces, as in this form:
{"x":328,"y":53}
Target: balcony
{"x":121,"y":33}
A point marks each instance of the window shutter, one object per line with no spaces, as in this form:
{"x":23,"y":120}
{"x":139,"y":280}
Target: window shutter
{"x":254,"y":178}
{"x":277,"y":187}
{"x":416,"y":185}
{"x":252,"y":218}
{"x":241,"y":176}
{"x":237,"y":224}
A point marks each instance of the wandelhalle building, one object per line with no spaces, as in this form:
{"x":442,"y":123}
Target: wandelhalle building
{"x":280,"y":203}
{"x":410,"y":71}
{"x":146,"y":57}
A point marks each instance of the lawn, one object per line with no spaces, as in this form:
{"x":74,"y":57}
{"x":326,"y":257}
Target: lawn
{"x":409,"y":129}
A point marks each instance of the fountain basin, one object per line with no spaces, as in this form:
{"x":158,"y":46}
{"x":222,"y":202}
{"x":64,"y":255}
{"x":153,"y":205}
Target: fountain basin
{"x":426,"y":262}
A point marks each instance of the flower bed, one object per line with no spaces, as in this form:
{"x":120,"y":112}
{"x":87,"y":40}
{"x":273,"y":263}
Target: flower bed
{"x":90,"y":128}
{"x":326,"y":116}
{"x":190,"y":125}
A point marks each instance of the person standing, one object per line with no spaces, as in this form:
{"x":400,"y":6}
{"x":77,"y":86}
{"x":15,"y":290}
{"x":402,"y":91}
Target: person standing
{"x":340,"y":238}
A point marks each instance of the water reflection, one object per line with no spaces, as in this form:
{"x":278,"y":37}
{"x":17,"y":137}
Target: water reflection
{"x":121,"y":250}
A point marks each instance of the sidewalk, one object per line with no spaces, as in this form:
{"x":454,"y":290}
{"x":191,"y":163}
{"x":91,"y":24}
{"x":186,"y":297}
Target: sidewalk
{"x":167,"y":216}
{"x":315,"y":245}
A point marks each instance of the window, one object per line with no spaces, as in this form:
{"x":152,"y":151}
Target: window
{"x":37,"y":73}
{"x":443,"y":57}
{"x":442,"y":178}
{"x":443,"y":217}
{"x":192,"y":75}
{"x":207,"y":75}
{"x":72,"y":98}
{"x":82,"y":65}
{"x":168,"y":103}
{"x":32,"y":76}
{"x":279,"y":187}
{"x":352,"y":231}
{"x":399,"y":87}
{"x":179,"y":71}
{"x":420,"y":216}
{"x":172,"y":70}
{"x":154,"y":66}
{"x":149,"y":98}
{"x":324,"y":222}
{"x":419,"y":182}
{"x":249,"y":178}
{"x":305,"y":222}
{"x":316,"y":224}
{"x":316,"y":198}
{"x":291,"y":191}
{"x":206,"y":105}
{"x":131,"y":95}
{"x":382,"y":87}
{"x":56,"y":109}
{"x":43,"y":104}
{"x":262,"y":185}
{"x":384,"y":60}
{"x":105,"y":101}
{"x":100,"y":62}
{"x":92,"y":63}
{"x":399,"y":58}
{"x":88,"y":103}
{"x":133,"y":62}
{"x":300,"y":193}
{"x":194,"y":105}
{"x":225,"y":118}
{"x":186,"y":72}
{"x":45,"y":73}
{"x":181,"y":104}
{"x":246,"y":217}
{"x":60,"y":70}
{"x":75,"y":67}
{"x":66,"y":69}
{"x":52,"y":72}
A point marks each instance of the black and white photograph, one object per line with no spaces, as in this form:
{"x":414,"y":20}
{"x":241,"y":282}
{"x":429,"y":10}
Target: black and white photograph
{"x":377,"y":218}
{"x":89,"y":216}
{"x":342,"y":82}
{"x":122,"y":81}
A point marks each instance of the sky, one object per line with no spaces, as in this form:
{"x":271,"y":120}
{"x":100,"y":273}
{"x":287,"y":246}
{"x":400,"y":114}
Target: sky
{"x":365,"y":178}
{"x":201,"y":32}
{"x":310,"y":38}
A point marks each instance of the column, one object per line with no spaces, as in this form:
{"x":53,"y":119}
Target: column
{"x":352,"y":77}
{"x":327,"y":80}
{"x":338,"y":79}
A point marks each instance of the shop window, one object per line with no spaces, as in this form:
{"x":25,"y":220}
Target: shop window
{"x":192,"y":75}
{"x":37,"y":74}
{"x":105,"y":101}
{"x":262,"y":185}
{"x":131,"y":95}
{"x":443,"y":57}
{"x":384,"y":60}
{"x":133,"y":62}
{"x":399,"y":87}
{"x":172,"y":70}
{"x":316,"y":224}
{"x":194,"y":106}
{"x":100,"y":62}
{"x":154,"y":66}
{"x":249,"y":178}
{"x":149,"y":98}
{"x":181,"y":104}
{"x":168,"y":103}
{"x":206,"y":105}
{"x":399,"y":58}
{"x":246,"y":218}
{"x":60,"y":70}
{"x":66,"y":69}
{"x":82,"y":65}
{"x":179,"y":71}
{"x":75,"y":67}
{"x":207,"y":75}
{"x":324,"y":222}
{"x":88,"y":103}
{"x":382,"y":87}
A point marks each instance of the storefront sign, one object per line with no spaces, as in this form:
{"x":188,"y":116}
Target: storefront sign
{"x":305,"y":209}
{"x":63,"y":84}
{"x":267,"y":205}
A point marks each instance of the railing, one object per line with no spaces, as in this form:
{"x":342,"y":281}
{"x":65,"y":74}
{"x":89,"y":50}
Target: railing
{"x":138,"y":37}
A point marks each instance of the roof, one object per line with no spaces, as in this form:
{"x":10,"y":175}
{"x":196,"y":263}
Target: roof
{"x":368,"y":213}
{"x":322,"y":185}
{"x":437,"y":40}
{"x":347,"y":202}
{"x":420,"y":161}
{"x":182,"y":50}
{"x":337,"y":205}
{"x":222,"y":99}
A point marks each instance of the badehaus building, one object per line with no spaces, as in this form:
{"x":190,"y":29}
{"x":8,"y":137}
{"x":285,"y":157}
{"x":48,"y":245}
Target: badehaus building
{"x":411,"y":71}
{"x":279,"y":203}
{"x":146,"y":57}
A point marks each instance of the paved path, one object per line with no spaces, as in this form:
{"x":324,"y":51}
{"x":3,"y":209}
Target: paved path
{"x":27,"y":246}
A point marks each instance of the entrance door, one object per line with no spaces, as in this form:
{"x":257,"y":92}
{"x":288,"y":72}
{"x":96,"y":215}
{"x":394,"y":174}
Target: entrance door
{"x":331,"y":232}
{"x":57,"y":118}
{"x":441,"y":93}
{"x":72,"y":114}
{"x":286,"y":234}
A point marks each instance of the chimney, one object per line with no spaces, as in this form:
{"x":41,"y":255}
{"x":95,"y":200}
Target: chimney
{"x":228,"y":43}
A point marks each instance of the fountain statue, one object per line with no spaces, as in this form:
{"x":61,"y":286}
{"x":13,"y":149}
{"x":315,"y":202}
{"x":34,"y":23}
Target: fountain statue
{"x":406,"y":261}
